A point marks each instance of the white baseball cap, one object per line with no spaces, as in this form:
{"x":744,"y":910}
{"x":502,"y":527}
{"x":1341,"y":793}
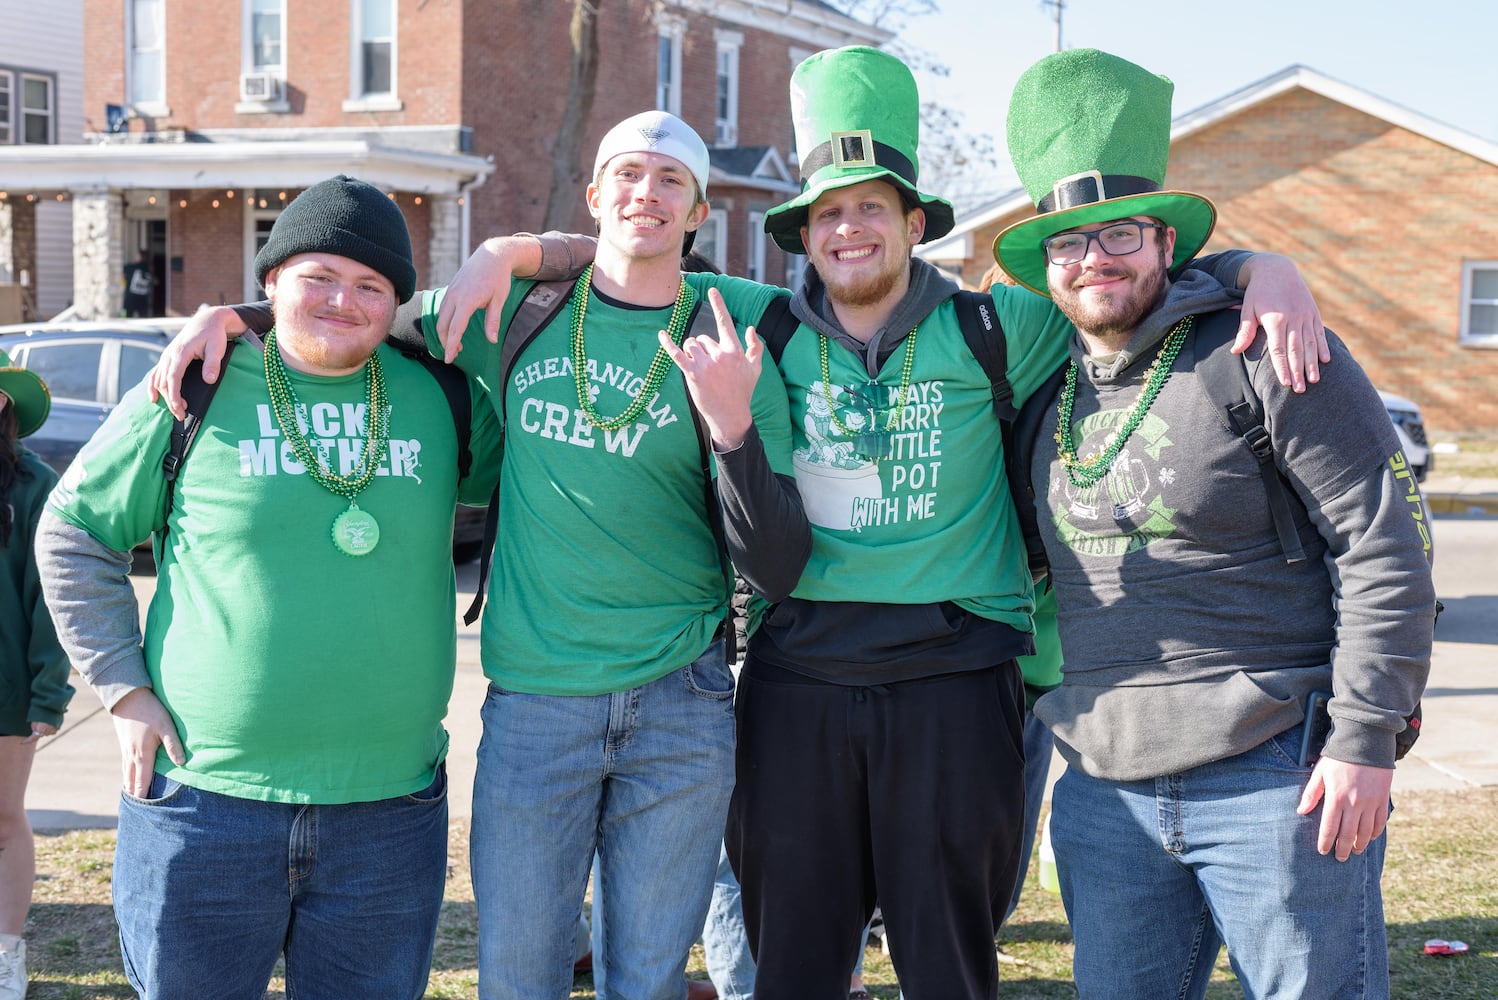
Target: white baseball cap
{"x":656,"y":132}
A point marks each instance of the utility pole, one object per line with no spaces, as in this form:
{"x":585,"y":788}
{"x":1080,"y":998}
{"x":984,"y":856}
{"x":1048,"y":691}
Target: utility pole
{"x":1059,"y":6}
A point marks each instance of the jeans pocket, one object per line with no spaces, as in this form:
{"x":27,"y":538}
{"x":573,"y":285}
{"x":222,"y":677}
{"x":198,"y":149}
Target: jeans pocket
{"x":162,"y":789}
{"x":435,"y":792}
{"x":708,"y":676}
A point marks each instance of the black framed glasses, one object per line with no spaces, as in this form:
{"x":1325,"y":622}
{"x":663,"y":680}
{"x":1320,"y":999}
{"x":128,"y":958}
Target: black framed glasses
{"x":1117,"y":240}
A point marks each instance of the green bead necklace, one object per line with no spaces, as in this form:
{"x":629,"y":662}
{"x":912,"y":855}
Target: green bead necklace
{"x":659,"y":365}
{"x":355,"y":531}
{"x":1087,"y":471}
{"x":899,"y":403}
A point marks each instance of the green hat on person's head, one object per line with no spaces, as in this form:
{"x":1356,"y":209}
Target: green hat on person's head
{"x":28,"y":394}
{"x":858,"y":118}
{"x":1089,"y":135}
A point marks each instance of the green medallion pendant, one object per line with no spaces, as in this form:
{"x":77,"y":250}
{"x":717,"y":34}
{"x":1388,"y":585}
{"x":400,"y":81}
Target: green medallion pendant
{"x":356,"y":532}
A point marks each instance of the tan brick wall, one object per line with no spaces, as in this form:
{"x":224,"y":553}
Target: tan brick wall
{"x":1378,"y":218}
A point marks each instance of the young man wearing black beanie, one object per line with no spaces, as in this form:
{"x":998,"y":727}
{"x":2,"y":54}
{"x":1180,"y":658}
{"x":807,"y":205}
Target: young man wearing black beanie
{"x":281,"y":724}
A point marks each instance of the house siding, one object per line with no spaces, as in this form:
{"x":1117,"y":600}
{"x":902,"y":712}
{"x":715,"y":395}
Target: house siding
{"x":1379,"y":219}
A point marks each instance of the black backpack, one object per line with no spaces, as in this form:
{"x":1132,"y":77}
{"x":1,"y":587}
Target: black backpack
{"x":1224,"y":376}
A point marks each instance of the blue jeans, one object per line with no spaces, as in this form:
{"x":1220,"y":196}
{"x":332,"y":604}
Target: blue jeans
{"x":1156,"y":874}
{"x":641,"y":776}
{"x":209,"y":890}
{"x":725,"y":943}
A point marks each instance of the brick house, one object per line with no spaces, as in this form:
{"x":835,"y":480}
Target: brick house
{"x":1391,"y":216}
{"x":202,"y":118}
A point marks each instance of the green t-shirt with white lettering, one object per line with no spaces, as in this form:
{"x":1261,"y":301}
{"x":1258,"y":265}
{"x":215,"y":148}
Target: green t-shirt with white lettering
{"x":294,"y":672}
{"x":911,"y":504}
{"x":606,"y":571}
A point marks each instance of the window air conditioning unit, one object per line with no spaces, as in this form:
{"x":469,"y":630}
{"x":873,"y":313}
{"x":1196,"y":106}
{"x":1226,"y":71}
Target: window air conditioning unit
{"x":259,"y":86}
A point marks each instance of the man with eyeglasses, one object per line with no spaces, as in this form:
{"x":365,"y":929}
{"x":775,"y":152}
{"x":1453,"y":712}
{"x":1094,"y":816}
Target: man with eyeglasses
{"x":1203,"y":803}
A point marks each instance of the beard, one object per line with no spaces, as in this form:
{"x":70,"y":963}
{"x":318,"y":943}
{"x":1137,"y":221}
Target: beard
{"x":1117,"y":315}
{"x":863,"y":290}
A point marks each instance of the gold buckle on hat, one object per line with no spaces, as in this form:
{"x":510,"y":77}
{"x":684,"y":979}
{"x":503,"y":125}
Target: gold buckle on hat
{"x":1068,"y":193}
{"x":853,"y":149}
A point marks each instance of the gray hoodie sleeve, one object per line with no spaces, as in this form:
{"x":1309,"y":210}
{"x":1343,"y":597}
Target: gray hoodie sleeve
{"x":1378,"y":552}
{"x":87,"y":587}
{"x":768,"y":535}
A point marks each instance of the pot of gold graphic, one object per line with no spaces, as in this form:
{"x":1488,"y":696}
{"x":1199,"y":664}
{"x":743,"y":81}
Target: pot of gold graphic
{"x":836,"y":483}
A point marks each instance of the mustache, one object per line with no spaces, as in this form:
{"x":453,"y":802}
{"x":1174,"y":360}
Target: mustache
{"x":1101,"y":275}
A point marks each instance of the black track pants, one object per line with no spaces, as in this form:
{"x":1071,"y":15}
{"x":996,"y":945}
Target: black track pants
{"x":908,"y":795}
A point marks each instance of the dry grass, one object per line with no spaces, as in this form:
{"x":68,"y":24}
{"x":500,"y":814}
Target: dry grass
{"x":1441,"y":880}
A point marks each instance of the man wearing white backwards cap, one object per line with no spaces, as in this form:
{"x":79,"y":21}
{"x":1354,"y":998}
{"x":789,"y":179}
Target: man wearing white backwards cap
{"x":609,"y":723}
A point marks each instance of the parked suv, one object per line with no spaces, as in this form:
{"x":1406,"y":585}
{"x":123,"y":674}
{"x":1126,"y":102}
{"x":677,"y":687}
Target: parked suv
{"x":89,"y":366}
{"x":1410,"y":425}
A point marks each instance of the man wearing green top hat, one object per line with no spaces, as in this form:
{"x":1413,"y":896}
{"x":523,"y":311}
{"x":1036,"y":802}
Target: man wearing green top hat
{"x":1205,"y":801}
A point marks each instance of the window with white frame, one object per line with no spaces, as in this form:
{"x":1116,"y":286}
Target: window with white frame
{"x":668,"y":65}
{"x":727,"y":124}
{"x":146,"y":25}
{"x":265,"y":37}
{"x":28,"y":111}
{"x":37,"y":113}
{"x":1479,"y":303}
{"x":755,"y":269}
{"x":262,"y":77}
{"x":374,"y":48}
{"x":712,"y":239}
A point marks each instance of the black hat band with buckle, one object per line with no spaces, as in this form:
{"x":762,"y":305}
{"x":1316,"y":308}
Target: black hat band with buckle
{"x":858,"y":149}
{"x":1091,"y":187}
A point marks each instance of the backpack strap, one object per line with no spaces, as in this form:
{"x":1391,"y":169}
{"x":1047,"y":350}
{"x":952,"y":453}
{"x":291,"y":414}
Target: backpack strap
{"x":1019,"y":455}
{"x":455,"y":388}
{"x":1224,"y":378}
{"x":777,"y":324}
{"x":197,"y":393}
{"x":985,"y":339}
{"x":539,"y":307}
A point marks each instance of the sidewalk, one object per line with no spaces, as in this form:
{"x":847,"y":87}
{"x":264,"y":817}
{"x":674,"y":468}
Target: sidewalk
{"x":75,"y":781}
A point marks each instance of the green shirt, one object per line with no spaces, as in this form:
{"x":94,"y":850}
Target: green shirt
{"x":33,"y":668}
{"x":606,"y":572}
{"x":294,"y":673}
{"x":918,"y":512}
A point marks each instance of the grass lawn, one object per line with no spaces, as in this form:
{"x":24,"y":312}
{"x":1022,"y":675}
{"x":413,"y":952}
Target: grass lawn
{"x":1440,"y":881}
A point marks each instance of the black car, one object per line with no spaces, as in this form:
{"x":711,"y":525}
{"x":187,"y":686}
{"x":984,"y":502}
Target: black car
{"x":89,"y":366}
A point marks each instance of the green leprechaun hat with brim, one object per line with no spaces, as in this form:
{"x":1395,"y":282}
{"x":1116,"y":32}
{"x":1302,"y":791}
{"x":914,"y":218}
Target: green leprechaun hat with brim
{"x":28,"y":394}
{"x":858,"y":118}
{"x":1089,"y":135}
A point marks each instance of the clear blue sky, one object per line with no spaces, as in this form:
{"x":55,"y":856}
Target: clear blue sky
{"x":1440,"y":59}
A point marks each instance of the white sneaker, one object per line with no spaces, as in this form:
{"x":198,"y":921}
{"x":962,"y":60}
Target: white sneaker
{"x":13,"y":972}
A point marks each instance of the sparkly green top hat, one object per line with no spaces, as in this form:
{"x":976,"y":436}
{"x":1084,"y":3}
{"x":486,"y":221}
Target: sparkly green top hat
{"x":28,"y":394}
{"x":1089,"y":134}
{"x":857,"y":117}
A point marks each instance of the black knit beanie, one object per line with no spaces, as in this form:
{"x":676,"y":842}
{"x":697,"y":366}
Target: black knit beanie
{"x":349,"y":218}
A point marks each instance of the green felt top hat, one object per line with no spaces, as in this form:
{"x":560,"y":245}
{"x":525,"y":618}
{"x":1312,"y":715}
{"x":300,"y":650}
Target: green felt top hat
{"x":858,"y":118}
{"x":28,"y":394}
{"x":1089,"y":134}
